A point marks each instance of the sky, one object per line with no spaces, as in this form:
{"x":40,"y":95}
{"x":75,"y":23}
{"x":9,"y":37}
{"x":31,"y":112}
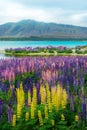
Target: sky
{"x":73,"y":12}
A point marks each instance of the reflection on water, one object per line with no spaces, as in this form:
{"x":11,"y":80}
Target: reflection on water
{"x":3,"y":56}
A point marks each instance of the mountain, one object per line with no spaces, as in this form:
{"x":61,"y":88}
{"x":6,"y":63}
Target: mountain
{"x":34,"y":29}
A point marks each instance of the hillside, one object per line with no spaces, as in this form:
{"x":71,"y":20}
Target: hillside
{"x":31,"y":28}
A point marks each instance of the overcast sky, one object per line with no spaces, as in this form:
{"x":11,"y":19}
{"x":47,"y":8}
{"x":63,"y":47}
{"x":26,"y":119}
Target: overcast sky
{"x":59,"y":11}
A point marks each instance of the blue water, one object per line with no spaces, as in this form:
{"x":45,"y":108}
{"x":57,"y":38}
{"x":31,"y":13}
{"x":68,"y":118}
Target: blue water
{"x":16,"y":44}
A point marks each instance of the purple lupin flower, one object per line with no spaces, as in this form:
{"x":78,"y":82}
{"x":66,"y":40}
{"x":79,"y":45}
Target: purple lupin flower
{"x":1,"y":107}
{"x":84,"y":111}
{"x":71,"y":103}
{"x":10,"y":113}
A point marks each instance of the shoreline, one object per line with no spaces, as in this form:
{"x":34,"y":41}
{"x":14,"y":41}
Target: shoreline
{"x":44,"y":54}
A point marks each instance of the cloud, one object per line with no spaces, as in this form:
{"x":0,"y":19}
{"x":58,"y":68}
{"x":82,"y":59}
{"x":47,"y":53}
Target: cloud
{"x":60,"y":11}
{"x":79,"y":18}
{"x":16,"y":12}
{"x":68,"y":4}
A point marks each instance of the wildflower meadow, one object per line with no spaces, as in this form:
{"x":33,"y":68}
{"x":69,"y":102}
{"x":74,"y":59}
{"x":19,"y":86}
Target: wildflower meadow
{"x":43,"y":93}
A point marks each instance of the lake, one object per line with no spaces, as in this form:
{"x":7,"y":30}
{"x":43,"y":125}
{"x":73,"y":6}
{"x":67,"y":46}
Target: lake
{"x":3,"y":56}
{"x":16,"y":44}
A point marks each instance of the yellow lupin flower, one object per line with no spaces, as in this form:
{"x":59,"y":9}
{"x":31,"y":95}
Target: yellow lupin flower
{"x":29,"y":98}
{"x":20,"y":100}
{"x":53,"y":93}
{"x":76,"y":118}
{"x":46,"y":112}
{"x":14,"y":120}
{"x":40,"y":117}
{"x":83,"y":91}
{"x":42,"y":94}
{"x":48,"y":93}
{"x":34,"y":98}
{"x":64,"y":99}
{"x":59,"y":95}
{"x":50,"y":106}
{"x":55,"y":100}
{"x":47,"y":86}
{"x":32,"y":110}
{"x":53,"y":122}
{"x":26,"y":116}
{"x":19,"y":111}
{"x":62,"y":117}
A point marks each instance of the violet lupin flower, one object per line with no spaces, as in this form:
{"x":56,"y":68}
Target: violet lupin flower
{"x":84,"y":111}
{"x":1,"y":107}
{"x":71,"y":103}
{"x":10,"y":113}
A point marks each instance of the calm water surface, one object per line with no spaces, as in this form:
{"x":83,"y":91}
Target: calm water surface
{"x":3,"y":56}
{"x":15,"y":44}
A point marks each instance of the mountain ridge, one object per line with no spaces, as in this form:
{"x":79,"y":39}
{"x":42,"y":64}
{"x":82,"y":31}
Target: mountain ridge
{"x":32,"y":28}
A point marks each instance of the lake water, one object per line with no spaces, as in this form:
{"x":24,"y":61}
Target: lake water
{"x":16,"y":44}
{"x":3,"y":56}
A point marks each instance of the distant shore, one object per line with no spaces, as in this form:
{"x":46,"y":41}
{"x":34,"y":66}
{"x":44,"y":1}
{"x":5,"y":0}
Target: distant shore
{"x":44,"y":54}
{"x":40,"y":54}
{"x":32,"y":38}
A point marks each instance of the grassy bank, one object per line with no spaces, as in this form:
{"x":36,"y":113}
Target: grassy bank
{"x":47,"y":51}
{"x":44,"y":54}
